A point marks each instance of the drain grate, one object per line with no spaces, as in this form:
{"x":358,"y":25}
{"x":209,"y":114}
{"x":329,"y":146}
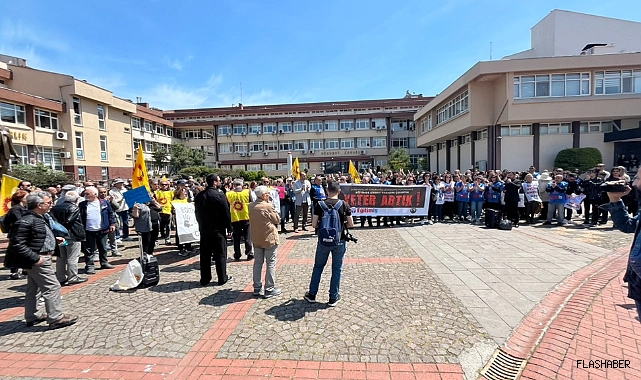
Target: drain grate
{"x":503,"y":366}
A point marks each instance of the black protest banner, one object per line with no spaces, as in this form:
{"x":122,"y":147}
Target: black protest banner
{"x":385,"y":200}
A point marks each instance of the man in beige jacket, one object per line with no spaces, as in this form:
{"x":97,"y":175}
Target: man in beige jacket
{"x":263,"y":226}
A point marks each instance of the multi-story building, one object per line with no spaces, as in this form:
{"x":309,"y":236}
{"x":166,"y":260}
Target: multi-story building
{"x":578,"y":86}
{"x":324,"y":136}
{"x":152,"y":133}
{"x":65,"y":122}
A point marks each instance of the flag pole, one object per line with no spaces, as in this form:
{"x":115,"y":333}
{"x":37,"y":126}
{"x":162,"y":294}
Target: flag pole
{"x":289,"y":162}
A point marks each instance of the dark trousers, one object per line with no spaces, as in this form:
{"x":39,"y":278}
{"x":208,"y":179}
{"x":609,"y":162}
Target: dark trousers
{"x":369,"y":221}
{"x":165,"y":221}
{"x":512,"y":211}
{"x":241,"y":230}
{"x":302,"y":209}
{"x":149,"y":239}
{"x":530,"y":210}
{"x":95,"y":239}
{"x":544,"y":210}
{"x":213,"y":245}
{"x":591,"y":211}
{"x":124,"y":220}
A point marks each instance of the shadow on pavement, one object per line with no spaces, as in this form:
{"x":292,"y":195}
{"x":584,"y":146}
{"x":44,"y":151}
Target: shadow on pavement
{"x":294,"y":309}
{"x":7,"y":303}
{"x":224,"y":297}
{"x":176,"y":286}
{"x":11,"y":327}
{"x":182,"y":268}
{"x":627,"y":306}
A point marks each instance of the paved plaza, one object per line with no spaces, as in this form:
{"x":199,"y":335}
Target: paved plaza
{"x":418,"y":302}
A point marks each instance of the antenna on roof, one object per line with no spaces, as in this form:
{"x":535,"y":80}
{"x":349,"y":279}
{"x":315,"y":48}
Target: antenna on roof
{"x":490,"y":50}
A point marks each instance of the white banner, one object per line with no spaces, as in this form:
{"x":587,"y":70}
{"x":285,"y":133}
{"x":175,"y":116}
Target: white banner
{"x":186,"y":224}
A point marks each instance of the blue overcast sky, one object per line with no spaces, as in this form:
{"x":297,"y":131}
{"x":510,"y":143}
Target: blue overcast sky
{"x":193,"y":54}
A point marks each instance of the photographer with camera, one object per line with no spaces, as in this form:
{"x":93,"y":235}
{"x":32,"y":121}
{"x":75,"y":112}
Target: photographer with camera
{"x":624,"y":223}
{"x":332,"y":217}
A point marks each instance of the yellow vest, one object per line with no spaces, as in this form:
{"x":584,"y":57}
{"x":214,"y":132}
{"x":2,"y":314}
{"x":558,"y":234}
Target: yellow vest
{"x":165,"y":198}
{"x":239,"y":205}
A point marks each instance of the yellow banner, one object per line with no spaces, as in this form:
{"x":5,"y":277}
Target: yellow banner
{"x":354,"y":173}
{"x":9,"y":186}
{"x":296,"y":169}
{"x":140,"y":176}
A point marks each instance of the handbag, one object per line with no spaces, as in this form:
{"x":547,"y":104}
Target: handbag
{"x":58,"y":229}
{"x":505,"y":225}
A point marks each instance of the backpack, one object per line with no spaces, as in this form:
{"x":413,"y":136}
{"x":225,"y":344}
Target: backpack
{"x":330,"y":229}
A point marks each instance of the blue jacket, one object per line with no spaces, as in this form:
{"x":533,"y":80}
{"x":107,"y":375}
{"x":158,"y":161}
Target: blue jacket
{"x":624,"y":223}
{"x":493,"y":191}
{"x":557,"y":194}
{"x":107,"y":216}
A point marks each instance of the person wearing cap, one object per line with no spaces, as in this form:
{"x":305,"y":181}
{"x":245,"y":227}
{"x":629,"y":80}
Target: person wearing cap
{"x":63,"y":191}
{"x":122,"y":210}
{"x":239,"y":199}
{"x":182,"y":184}
{"x":263,"y":224}
{"x":165,"y":196}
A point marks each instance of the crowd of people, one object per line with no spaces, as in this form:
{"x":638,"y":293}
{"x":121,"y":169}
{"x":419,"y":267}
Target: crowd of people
{"x":93,"y":220}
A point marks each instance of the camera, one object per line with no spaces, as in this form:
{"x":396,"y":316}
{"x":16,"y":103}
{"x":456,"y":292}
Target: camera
{"x":613,"y":187}
{"x":350,"y":237}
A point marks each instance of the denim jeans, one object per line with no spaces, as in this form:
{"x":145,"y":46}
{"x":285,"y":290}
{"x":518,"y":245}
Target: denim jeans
{"x":124,"y":222}
{"x":95,"y":240}
{"x":560,"y":212}
{"x":320,"y":260}
{"x":475,"y":209}
{"x":284,"y":213}
{"x":462,"y":209}
{"x":268,"y":255}
{"x":638,"y":305}
{"x":438,"y":212}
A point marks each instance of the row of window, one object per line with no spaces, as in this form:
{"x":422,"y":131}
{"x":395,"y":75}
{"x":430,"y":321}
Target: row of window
{"x":80,"y":147}
{"x":453,"y":108}
{"x":577,"y":84}
{"x":151,"y":127}
{"x":149,"y":146}
{"x":286,"y":146}
{"x":557,"y":128}
{"x":293,"y":127}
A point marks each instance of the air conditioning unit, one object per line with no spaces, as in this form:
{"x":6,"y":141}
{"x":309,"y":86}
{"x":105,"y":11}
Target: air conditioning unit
{"x":242,"y":154}
{"x":258,"y":133}
{"x":228,"y":134}
{"x":305,"y":151}
{"x":249,"y":154}
{"x":318,"y":131}
{"x":312,"y":151}
{"x":243,"y":134}
{"x":281,"y":131}
{"x":379,"y":128}
{"x":65,"y":154}
{"x":373,"y":126}
{"x":363,"y":151}
{"x":61,"y":136}
{"x":128,"y":156}
{"x":266,"y":153}
{"x":273,"y":132}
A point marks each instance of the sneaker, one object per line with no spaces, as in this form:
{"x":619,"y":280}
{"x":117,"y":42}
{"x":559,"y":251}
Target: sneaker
{"x":310,"y":298}
{"x":42,"y":318}
{"x":77,"y":280}
{"x":17,"y":276}
{"x":273,"y":293}
{"x":547,"y":223}
{"x":156,"y":244}
{"x":90,"y":270}
{"x":107,"y":266}
{"x":119,"y":241}
{"x":333,"y":301}
{"x":63,"y":322}
{"x":256,"y":293}
{"x":183,"y":252}
{"x":167,"y":241}
{"x":116,"y":254}
{"x":250,"y":257}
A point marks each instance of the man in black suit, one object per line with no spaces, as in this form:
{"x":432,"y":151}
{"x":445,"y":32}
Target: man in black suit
{"x":214,"y":220}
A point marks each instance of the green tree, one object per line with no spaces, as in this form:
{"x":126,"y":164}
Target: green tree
{"x":578,"y":158}
{"x":198,"y":157}
{"x":398,"y":159}
{"x":160,"y":157}
{"x":40,"y":175}
{"x":183,"y":156}
{"x":422,"y":163}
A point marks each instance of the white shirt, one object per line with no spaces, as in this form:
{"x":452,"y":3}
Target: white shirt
{"x":93,"y":216}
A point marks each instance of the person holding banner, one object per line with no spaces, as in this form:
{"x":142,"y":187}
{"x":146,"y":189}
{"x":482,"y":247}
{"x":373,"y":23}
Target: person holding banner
{"x":180,"y":196}
{"x":532,"y":198}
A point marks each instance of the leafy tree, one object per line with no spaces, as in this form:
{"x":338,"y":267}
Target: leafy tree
{"x":399,"y":159}
{"x":198,"y":157}
{"x":40,"y":175}
{"x":183,"y":156}
{"x":160,"y":157}
{"x":197,"y":171}
{"x":578,"y":158}
{"x":422,"y":163}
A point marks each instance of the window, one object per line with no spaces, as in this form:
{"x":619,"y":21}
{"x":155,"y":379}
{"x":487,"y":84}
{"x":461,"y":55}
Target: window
{"x":379,"y":142}
{"x":240,"y":129}
{"x":80,"y":146}
{"x":77,"y":115}
{"x":412,"y":142}
{"x":271,"y":146}
{"x":453,"y":108}
{"x":50,"y":157}
{"x":347,"y":125}
{"x":240,"y":148}
{"x":160,"y":129}
{"x":256,"y":147}
{"x":467,"y":139}
{"x":103,"y":148}
{"x":362,"y":124}
{"x":316,"y":144}
{"x":300,"y":145}
{"x":224,"y":130}
{"x":101,"y":118}
{"x":399,"y":125}
{"x":192,"y":134}
{"x":269,"y":128}
{"x":331,"y":125}
{"x":23,"y":154}
{"x":137,"y":143}
{"x":269,"y":166}
{"x":104,"y":172}
{"x":617,"y":82}
{"x":429,"y":122}
{"x":255,"y":129}
{"x":82,"y":173}
{"x":170,"y":132}
{"x":225,"y":167}
{"x":380,"y":163}
{"x":516,"y":130}
{"x":253,"y":167}
{"x":554,"y":129}
{"x":423,"y":125}
{"x":148,"y":126}
{"x":285,"y":146}
{"x":225,"y":148}
{"x":331,"y":144}
{"x":283,"y":166}
{"x":379,"y":124}
{"x":135,"y":123}
{"x":414,"y":159}
{"x":347,"y":143}
{"x":596,"y":126}
{"x":149,"y":146}
{"x":482,"y":135}
{"x":315,"y":126}
{"x":12,"y":113}
{"x":399,"y":142}
{"x":285,"y":127}
{"x":300,"y":126}
{"x":46,"y":119}
{"x":362,"y":142}
{"x":556,"y":85}
{"x":208,"y":134}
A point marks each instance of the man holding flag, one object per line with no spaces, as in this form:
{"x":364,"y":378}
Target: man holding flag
{"x":354,"y":173}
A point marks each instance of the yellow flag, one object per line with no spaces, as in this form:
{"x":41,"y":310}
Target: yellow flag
{"x":354,"y":173}
{"x":9,"y":186}
{"x":140,"y":176}
{"x":296,"y":169}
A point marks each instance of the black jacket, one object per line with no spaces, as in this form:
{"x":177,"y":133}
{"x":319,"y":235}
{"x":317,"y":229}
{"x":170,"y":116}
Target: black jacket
{"x":212,"y":211}
{"x":68,"y":214}
{"x":27,"y":238}
{"x":512,"y":190}
{"x":12,"y":217}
